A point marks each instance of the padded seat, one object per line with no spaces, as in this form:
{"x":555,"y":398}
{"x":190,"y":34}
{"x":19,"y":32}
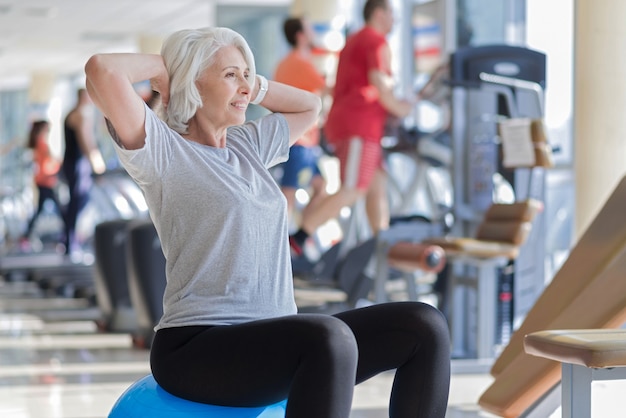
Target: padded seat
{"x":411,"y":256}
{"x":504,"y":229}
{"x":399,"y":249}
{"x":596,"y":348}
{"x":585,"y":355}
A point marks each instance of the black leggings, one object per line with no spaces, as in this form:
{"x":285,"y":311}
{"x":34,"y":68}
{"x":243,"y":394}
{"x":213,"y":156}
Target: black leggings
{"x":313,"y":360}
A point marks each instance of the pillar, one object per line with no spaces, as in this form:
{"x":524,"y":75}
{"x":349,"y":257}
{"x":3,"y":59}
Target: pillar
{"x":42,"y":104}
{"x":150,"y":44}
{"x":599,"y":104}
{"x":40,"y":92}
{"x":328,"y":19}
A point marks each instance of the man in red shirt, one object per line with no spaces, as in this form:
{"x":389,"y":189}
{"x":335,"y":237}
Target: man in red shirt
{"x":297,"y":69}
{"x":362,"y":101}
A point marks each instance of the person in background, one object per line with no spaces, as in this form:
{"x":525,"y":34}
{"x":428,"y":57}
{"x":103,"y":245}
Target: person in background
{"x":301,"y":170}
{"x":363,"y":100}
{"x":82,"y":158}
{"x":230,"y":333}
{"x":46,"y":174}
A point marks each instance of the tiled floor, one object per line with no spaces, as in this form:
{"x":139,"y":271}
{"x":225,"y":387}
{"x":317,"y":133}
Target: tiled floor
{"x":55,"y":364}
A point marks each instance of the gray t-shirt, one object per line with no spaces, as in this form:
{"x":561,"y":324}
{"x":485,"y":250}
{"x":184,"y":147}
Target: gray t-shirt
{"x":221,"y":219}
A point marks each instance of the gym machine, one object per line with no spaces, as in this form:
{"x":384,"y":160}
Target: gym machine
{"x":489,"y":85}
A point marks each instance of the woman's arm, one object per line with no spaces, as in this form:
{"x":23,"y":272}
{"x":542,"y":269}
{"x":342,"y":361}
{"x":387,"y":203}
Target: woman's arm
{"x":110,"y":79}
{"x":301,"y":108}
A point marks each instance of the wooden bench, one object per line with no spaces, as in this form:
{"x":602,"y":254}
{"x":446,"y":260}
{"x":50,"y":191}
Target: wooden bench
{"x":585,"y":355}
{"x":588,"y":292}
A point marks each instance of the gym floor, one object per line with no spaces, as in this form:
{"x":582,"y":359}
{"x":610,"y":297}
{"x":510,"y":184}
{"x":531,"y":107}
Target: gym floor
{"x":56,"y":366}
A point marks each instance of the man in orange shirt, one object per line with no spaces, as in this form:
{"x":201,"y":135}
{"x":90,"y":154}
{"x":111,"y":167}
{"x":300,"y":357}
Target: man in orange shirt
{"x":297,"y":69}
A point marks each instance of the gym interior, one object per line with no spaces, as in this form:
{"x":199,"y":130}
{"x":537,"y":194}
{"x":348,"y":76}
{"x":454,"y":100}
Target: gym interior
{"x":505,"y":185}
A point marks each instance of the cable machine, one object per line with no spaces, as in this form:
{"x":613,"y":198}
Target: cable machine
{"x":490,"y":84}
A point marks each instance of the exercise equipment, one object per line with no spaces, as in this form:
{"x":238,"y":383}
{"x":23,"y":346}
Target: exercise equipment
{"x":110,"y":274}
{"x":587,"y":292}
{"x":419,"y":183}
{"x":146,"y":278}
{"x":145,"y":398}
{"x":409,"y":256}
{"x":400,"y":252}
{"x":345,"y":273}
{"x":116,"y":196}
{"x":586,"y":355}
{"x":349,"y":273}
{"x":498,"y":240}
{"x":491,"y":84}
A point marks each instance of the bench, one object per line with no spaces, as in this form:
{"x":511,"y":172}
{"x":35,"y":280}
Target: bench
{"x":586,"y":355}
{"x":591,"y":281}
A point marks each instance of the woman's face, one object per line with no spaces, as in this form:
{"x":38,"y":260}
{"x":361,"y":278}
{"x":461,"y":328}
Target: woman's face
{"x":43,"y":133}
{"x":224,"y":88}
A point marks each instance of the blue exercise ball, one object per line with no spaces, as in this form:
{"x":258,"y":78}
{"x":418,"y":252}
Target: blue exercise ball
{"x":145,"y":398}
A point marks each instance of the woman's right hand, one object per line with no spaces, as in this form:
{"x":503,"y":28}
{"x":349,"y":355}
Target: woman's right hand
{"x":161,"y":84}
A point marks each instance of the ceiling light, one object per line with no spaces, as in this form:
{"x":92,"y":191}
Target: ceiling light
{"x":40,"y":12}
{"x":103,"y":36}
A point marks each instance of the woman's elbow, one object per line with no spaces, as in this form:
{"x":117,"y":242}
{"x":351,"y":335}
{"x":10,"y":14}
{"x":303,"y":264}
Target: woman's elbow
{"x":316,"y":104}
{"x":93,"y":65}
{"x":97,"y":70}
{"x":315,"y":110}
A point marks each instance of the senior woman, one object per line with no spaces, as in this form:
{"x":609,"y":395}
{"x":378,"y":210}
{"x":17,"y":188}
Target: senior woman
{"x":230,"y":333}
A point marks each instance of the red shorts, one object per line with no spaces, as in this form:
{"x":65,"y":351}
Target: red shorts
{"x":358,"y":162}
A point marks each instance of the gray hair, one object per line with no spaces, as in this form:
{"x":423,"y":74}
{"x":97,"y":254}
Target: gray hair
{"x":187,"y":53}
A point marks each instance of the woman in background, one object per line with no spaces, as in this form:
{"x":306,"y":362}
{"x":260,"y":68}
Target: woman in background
{"x":46,"y":173}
